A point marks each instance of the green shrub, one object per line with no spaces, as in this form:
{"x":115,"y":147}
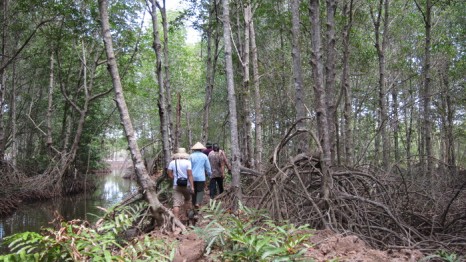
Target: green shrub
{"x":443,"y":255}
{"x":250,"y":235}
{"x":77,"y":241}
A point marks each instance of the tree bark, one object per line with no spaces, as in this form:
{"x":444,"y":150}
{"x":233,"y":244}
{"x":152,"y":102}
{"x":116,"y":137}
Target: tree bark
{"x":178,"y":122}
{"x":447,"y":119}
{"x":380,"y":45}
{"x":249,"y":155}
{"x":211,"y":65}
{"x":49,"y":140}
{"x":348,"y":108}
{"x":257,"y":99}
{"x":162,"y":101}
{"x":4,"y":60}
{"x":320,"y":98}
{"x":209,"y":79}
{"x":166,"y":79}
{"x":330,"y":79}
{"x":426,"y":96}
{"x":231,"y":102}
{"x":146,"y":183}
{"x":300,"y":93}
{"x":396,"y":120}
{"x":14,"y":126}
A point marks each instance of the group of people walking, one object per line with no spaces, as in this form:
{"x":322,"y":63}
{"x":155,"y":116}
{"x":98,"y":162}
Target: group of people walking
{"x":190,"y":172}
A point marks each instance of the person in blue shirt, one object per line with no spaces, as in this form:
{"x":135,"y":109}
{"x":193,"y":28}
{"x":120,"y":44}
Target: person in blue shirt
{"x":200,"y":168}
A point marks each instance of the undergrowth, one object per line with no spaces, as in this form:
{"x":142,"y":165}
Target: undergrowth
{"x":76,"y":241}
{"x":251,"y":235}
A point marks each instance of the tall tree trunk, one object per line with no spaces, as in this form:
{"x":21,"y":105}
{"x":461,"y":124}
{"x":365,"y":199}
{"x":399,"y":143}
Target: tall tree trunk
{"x":231,"y":102}
{"x":14,"y":128}
{"x":178,"y":121}
{"x":166,"y":69}
{"x":380,"y":45}
{"x":257,"y":99}
{"x":147,"y":185}
{"x":447,"y":118}
{"x":49,"y":141}
{"x":209,"y":78}
{"x":320,"y":99}
{"x":348,"y":108}
{"x":396,"y":123}
{"x":3,"y":64}
{"x":88,"y":82}
{"x":330,"y":79}
{"x":300,"y":93}
{"x":246,"y":86}
{"x":409,"y":126}
{"x":426,"y":95}
{"x":163,"y":112}
{"x":211,"y":65}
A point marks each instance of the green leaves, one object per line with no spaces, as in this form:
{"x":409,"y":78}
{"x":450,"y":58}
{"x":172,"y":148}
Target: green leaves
{"x":76,"y":241}
{"x":250,"y":235}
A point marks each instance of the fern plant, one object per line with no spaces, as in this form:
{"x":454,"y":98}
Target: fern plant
{"x":443,"y":255}
{"x":250,"y":235}
{"x":76,"y":241}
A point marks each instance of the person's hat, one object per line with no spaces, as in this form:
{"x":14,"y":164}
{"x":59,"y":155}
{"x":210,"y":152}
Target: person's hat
{"x":181,"y":154}
{"x":208,"y":145}
{"x":198,"y":146}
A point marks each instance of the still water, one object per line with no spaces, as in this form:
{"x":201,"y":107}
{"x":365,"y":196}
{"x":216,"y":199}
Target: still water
{"x":111,"y":189}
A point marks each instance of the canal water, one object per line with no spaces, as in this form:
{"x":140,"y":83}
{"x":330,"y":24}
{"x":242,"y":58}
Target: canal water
{"x":111,"y":189}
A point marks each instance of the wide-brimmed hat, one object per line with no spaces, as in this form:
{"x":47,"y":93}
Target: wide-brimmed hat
{"x":181,"y":154}
{"x":198,"y":146}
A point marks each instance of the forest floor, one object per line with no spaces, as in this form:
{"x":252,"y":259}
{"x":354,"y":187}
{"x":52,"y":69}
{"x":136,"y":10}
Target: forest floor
{"x":324,"y":245}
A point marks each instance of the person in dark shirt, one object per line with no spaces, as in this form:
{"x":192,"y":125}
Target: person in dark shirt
{"x":208,"y":149}
{"x":218,"y":162}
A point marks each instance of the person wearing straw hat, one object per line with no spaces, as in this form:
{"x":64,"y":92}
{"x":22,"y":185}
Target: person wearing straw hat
{"x":201,"y":167}
{"x":180,"y":170}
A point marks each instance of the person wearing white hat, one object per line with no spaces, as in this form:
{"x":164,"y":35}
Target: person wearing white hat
{"x":180,"y":170}
{"x":201,"y":167}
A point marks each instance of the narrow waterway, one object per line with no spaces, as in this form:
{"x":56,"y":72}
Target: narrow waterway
{"x":111,"y":189}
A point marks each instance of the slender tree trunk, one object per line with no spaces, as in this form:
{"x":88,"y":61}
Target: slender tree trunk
{"x":257,"y":99}
{"x":330,"y":79}
{"x":3,"y":63}
{"x":14,"y":128}
{"x":147,"y":184}
{"x":190,"y":132}
{"x":88,"y":82}
{"x":409,"y":127}
{"x":348,"y":120}
{"x":425,"y":147}
{"x":211,"y":65}
{"x":178,"y":122}
{"x":231,"y":102}
{"x":166,"y":79}
{"x":426,"y":94}
{"x":163,"y":112}
{"x":300,"y":93}
{"x":396,"y":123}
{"x":320,"y":98}
{"x":380,"y":45}
{"x":209,"y":79}
{"x":246,"y":86}
{"x":447,"y":117}
{"x":49,"y":140}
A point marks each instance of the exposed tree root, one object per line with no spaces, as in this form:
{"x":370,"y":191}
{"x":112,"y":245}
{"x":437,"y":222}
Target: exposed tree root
{"x":384,"y":209}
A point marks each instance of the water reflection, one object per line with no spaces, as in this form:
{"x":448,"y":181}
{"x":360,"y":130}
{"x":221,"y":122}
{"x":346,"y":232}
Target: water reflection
{"x":111,"y":189}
